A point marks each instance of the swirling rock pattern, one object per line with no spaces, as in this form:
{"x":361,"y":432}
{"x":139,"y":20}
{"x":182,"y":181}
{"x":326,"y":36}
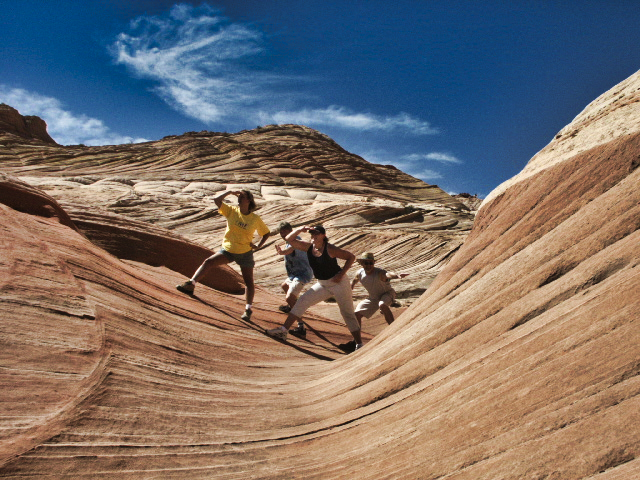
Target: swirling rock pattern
{"x":521,"y":360}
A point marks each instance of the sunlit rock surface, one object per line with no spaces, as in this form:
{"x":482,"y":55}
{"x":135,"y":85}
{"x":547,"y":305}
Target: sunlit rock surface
{"x":521,"y":360}
{"x":296,"y":174}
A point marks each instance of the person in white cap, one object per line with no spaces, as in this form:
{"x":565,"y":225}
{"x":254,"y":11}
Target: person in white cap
{"x":376,"y":282}
{"x":332,"y":281}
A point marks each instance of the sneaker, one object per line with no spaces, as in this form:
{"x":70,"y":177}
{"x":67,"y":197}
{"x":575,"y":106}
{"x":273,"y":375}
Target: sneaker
{"x":284,"y":308}
{"x":358,"y":346}
{"x":299,"y":331}
{"x":348,"y":347}
{"x":186,"y":287}
{"x":277,"y":333}
{"x":247,"y":314}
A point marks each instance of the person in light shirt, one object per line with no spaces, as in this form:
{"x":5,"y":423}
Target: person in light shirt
{"x":376,"y":282}
{"x":237,"y":245}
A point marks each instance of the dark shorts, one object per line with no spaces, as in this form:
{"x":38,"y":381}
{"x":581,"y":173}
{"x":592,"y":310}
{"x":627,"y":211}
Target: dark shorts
{"x":242,"y":259}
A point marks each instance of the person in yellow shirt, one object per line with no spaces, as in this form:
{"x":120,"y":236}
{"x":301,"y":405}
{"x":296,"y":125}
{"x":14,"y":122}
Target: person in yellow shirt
{"x":237,"y":244}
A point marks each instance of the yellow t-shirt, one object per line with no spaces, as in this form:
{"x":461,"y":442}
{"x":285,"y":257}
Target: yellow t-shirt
{"x":240,"y":229}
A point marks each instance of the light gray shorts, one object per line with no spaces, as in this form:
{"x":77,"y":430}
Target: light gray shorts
{"x":369,"y":306}
{"x":295,"y":286}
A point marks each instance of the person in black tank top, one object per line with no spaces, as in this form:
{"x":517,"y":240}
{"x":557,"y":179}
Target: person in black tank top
{"x":332,"y":281}
{"x":324,"y":267}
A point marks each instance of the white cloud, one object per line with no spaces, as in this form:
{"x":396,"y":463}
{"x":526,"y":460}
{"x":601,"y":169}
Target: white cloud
{"x":425,"y":174}
{"x":411,"y":164}
{"x":63,"y":126}
{"x":208,"y":68}
{"x":435,"y":156}
{"x":336,"y":116}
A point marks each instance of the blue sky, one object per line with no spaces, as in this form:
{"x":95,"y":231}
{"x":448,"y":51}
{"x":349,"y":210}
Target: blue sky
{"x":458,"y":93}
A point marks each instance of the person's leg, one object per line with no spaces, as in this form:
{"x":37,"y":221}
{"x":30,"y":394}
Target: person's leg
{"x":316,"y":294}
{"x":250,"y":289}
{"x":291,"y":299}
{"x":385,"y":302}
{"x":342,"y":293}
{"x":214,"y":260}
{"x":295,"y":288}
{"x":286,"y":288}
{"x":365,"y":309}
{"x":388,"y":314}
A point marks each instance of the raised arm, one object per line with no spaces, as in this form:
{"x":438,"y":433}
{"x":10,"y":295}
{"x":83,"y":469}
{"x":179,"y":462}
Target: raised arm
{"x":295,"y":242}
{"x":220,"y":197}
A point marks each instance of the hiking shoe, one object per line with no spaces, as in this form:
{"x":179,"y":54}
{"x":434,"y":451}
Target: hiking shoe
{"x":299,"y":331}
{"x":348,"y":347}
{"x":277,"y":333}
{"x":186,"y":287}
{"x":247,"y":314}
{"x":284,"y":308}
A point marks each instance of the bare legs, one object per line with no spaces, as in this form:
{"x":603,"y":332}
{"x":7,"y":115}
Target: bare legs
{"x":386,"y":311}
{"x":388,"y":314}
{"x":214,"y":260}
{"x":290,"y":297}
{"x":247,"y":275}
{"x":219,"y":259}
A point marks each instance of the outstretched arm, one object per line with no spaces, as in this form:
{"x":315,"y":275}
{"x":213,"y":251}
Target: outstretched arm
{"x":392,"y":275}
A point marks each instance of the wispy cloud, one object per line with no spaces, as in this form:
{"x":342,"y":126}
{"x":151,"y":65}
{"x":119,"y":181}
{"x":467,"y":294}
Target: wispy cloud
{"x":413,"y":164}
{"x":64,"y":127}
{"x":434,"y":156}
{"x":208,"y":68}
{"x":341,"y":117}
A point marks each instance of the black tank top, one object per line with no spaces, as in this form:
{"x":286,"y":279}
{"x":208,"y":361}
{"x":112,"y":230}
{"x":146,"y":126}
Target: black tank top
{"x":324,"y":267}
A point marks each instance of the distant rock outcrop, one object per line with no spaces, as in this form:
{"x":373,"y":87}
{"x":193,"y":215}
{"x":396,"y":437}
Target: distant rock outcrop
{"x":521,"y":360}
{"x":29,"y":127}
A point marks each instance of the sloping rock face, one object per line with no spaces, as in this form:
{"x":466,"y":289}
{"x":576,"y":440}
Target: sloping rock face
{"x":521,"y":360}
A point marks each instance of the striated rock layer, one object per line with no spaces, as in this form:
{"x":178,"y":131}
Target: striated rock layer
{"x":521,"y":360}
{"x":296,"y":174}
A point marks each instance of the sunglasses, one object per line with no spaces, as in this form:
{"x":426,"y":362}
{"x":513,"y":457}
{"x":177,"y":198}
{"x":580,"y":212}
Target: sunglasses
{"x":367,"y":262}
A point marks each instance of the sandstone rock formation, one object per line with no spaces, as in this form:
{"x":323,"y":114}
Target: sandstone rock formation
{"x":521,"y":360}
{"x":296,"y":173}
{"x":29,"y":127}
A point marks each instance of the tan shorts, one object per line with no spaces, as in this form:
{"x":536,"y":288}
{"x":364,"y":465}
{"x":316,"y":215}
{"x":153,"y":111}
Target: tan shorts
{"x":295,"y":286}
{"x":369,"y":306}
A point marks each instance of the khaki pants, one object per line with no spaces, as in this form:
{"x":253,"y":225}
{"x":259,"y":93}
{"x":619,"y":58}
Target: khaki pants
{"x":325,"y":289}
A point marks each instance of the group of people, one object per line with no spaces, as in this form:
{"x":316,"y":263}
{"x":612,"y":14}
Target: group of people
{"x":303,"y":260}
